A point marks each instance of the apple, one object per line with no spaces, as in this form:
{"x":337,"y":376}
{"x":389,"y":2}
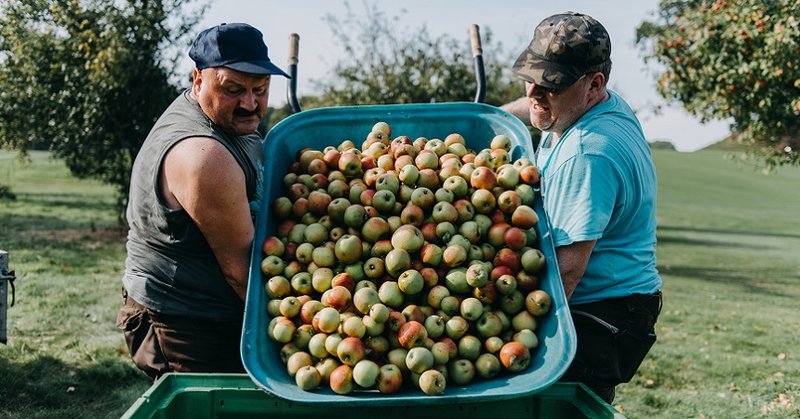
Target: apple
{"x":532,"y":261}
{"x":410,"y":333}
{"x":483,"y":200}
{"x":432,"y":382}
{"x":506,"y":284}
{"x":327,"y":320}
{"x":379,"y":312}
{"x":339,"y":297}
{"x":523,"y":320}
{"x":374,"y":229}
{"x":441,"y":353}
{"x":477,"y":275}
{"x":512,"y":303}
{"x":310,"y":309}
{"x":500,"y":141}
{"x":530,"y":175}
{"x":384,"y":201}
{"x":431,"y":254}
{"x":469,"y":347}
{"x":290,"y":307}
{"x":371,"y":327}
{"x":308,"y":378}
{"x":277,"y":287}
{"x":461,"y":371}
{"x":348,"y":249}
{"x":471,"y":308}
{"x":350,"y":164}
{"x":456,"y":327}
{"x":456,"y":281}
{"x":487,"y":366}
{"x":443,"y":195}
{"x":325,"y":366}
{"x":412,"y":214}
{"x":457,"y":185}
{"x":487,"y":294}
{"x":390,"y":294}
{"x":489,"y":325}
{"x":344,"y":279}
{"x":515,"y":356}
{"x":429,"y":275}
{"x":454,"y":255}
{"x":282,"y":329}
{"x":408,"y":237}
{"x":419,"y":359}
{"x":374,"y":268}
{"x":338,"y":188}
{"x":355,"y":215}
{"x":428,"y":178}
{"x":365,"y":373}
{"x":398,"y":260}
{"x":410,"y":282}
{"x":298,"y":360}
{"x":465,"y":210}
{"x":524,"y":217}
{"x":483,"y":178}
{"x":537,"y":303}
{"x":436,"y":294}
{"x":507,"y":257}
{"x":351,"y":350}
{"x":527,"y":337}
{"x":341,"y":379}
{"x":287,"y":350}
{"x":316,"y":345}
{"x":390,"y":379}
{"x":413,"y":312}
{"x":444,"y":211}
{"x":434,"y":326}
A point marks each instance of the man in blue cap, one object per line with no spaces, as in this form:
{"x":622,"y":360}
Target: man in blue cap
{"x":598,"y":188}
{"x":195,"y":190}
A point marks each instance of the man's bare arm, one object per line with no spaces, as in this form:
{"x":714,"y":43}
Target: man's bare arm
{"x":202,"y":176}
{"x":572,"y":260}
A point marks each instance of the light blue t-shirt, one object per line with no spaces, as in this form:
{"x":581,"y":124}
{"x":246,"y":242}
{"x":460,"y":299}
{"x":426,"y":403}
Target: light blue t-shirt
{"x":599,"y":183}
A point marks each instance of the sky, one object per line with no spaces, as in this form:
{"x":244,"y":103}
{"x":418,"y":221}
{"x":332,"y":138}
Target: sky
{"x":511,"y":21}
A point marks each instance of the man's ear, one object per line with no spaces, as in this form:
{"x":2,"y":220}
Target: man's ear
{"x":197,"y":79}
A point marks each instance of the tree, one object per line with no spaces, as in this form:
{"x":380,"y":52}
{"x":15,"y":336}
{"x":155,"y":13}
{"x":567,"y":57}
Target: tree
{"x":87,"y":79}
{"x":379,"y":64}
{"x":733,"y":59}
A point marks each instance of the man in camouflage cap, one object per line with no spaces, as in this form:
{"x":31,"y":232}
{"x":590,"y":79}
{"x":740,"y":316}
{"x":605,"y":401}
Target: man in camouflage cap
{"x":598,"y":188}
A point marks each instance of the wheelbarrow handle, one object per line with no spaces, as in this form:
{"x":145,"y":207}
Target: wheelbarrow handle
{"x":291,"y":89}
{"x":477,"y":54}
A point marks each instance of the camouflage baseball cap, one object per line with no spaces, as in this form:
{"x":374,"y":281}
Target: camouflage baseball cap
{"x":563,"y":48}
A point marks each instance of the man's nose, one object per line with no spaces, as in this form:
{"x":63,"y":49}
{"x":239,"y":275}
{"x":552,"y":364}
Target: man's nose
{"x":248,"y":101}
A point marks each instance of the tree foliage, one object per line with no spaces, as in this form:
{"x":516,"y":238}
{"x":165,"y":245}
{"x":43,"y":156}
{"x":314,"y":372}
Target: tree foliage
{"x":381,"y":63}
{"x":88,"y":78}
{"x":733,"y":59}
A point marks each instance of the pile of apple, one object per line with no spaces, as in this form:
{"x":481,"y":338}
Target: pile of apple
{"x":407,"y":261}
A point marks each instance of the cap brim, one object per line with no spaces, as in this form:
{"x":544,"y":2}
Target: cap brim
{"x":257,"y":67}
{"x":534,"y":69}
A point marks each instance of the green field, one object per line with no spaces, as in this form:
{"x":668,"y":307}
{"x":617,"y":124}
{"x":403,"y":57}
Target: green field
{"x":729,"y":241}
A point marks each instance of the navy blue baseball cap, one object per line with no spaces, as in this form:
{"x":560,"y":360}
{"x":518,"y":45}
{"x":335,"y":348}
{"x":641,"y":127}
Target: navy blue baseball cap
{"x":237,"y":46}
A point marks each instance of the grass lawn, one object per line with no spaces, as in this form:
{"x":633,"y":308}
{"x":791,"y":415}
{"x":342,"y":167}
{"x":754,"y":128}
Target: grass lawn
{"x":729,"y":240}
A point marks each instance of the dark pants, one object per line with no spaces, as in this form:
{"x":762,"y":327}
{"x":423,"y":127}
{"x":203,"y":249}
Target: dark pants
{"x":614,"y":336}
{"x":161,"y":343}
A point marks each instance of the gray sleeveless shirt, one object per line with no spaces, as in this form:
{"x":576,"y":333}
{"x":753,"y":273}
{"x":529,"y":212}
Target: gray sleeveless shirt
{"x":170,"y":267}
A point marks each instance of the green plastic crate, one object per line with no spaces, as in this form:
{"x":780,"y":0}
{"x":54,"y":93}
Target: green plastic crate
{"x":201,"y":396}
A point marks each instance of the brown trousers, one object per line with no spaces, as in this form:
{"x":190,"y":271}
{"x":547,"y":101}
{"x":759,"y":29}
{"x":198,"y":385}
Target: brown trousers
{"x":161,"y":343}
